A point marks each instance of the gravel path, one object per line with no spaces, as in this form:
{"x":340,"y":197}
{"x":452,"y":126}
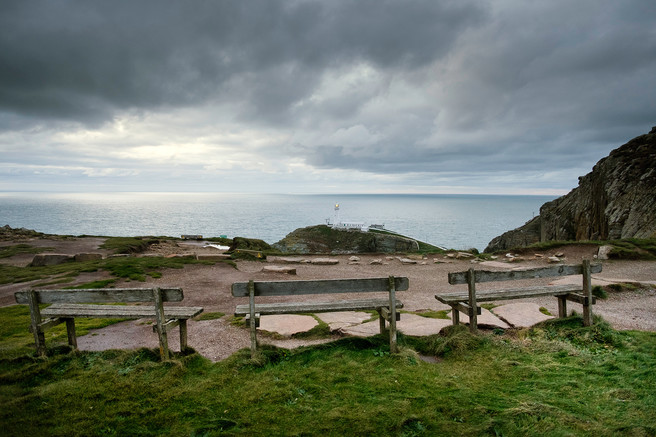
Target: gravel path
{"x":209,"y":287}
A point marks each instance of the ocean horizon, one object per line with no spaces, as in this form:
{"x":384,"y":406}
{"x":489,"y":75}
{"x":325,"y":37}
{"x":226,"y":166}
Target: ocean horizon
{"x":458,"y":221}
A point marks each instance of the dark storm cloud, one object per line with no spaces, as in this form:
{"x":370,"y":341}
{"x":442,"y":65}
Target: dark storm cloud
{"x":85,"y":59}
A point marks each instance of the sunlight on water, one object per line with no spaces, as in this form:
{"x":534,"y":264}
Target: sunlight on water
{"x":454,"y":221}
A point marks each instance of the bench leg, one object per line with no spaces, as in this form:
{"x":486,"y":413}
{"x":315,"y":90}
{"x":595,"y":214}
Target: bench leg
{"x":253,"y":326}
{"x":183,"y":334}
{"x":70,"y":331}
{"x":161,"y":329}
{"x":562,"y":306}
{"x":455,"y":315}
{"x":35,"y":321}
{"x":381,"y":321}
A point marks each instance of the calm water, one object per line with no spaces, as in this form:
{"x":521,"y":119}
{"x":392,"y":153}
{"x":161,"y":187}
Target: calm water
{"x":454,"y":221}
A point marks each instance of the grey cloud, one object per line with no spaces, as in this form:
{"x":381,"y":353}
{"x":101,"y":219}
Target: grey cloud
{"x":84,"y":59}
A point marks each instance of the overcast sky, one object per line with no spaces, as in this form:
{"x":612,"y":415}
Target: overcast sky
{"x":371,"y":96}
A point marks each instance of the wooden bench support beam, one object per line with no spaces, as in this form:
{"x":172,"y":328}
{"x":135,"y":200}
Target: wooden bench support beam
{"x":70,"y":332}
{"x":48,"y":323}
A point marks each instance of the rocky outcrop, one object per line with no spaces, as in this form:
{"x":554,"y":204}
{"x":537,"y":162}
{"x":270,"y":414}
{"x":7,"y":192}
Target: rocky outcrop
{"x":617,"y":199}
{"x":323,"y":239}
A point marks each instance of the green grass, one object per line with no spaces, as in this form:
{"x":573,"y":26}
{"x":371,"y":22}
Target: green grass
{"x":16,"y":249}
{"x":209,"y":316}
{"x":132,"y":268}
{"x":557,"y":379}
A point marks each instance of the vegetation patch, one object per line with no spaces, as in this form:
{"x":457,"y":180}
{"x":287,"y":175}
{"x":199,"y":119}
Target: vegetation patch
{"x":209,"y":316}
{"x":18,"y":249}
{"x":442,"y":314}
{"x":559,"y":379}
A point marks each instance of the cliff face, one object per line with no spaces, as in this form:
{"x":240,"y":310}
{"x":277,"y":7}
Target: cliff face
{"x":616,"y":200}
{"x":322,"y":239}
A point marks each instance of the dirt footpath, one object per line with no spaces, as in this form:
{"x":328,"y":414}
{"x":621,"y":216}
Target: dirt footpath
{"x":209,"y":287}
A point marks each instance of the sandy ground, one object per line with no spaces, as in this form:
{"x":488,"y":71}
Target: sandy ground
{"x":209,"y":287}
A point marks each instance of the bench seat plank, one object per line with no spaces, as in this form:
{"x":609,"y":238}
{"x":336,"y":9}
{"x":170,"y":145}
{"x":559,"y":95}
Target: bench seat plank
{"x":510,"y":293}
{"x":315,"y":307}
{"x":118,"y":311}
{"x":320,"y":286}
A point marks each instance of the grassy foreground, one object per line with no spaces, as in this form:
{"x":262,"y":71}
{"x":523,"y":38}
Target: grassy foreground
{"x":557,"y":379}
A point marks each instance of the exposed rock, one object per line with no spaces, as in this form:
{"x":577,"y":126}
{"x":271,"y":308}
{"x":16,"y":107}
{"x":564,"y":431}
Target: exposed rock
{"x":279,"y":269}
{"x":325,"y":261}
{"x":376,"y":262}
{"x":603,"y":252}
{"x":553,"y":259}
{"x":81,"y":257}
{"x":51,"y":259}
{"x":615,"y":200}
{"x":408,"y":261}
{"x":354,"y":258}
{"x":323,"y":239}
{"x":464,"y":255}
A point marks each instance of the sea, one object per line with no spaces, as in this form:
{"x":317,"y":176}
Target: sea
{"x":450,"y":221}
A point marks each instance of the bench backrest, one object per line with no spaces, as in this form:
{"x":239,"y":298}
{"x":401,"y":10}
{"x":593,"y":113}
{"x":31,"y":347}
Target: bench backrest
{"x":319,"y":286}
{"x":100,"y":295}
{"x":541,"y":272}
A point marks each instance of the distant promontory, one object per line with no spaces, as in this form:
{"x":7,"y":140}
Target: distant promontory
{"x":616,"y":200}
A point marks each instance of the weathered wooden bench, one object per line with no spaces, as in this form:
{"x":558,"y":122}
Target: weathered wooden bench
{"x":386,"y":307}
{"x":67,"y":305}
{"x":466,"y":302}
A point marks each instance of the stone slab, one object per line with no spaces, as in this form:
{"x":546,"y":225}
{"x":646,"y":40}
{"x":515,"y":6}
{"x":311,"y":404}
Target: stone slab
{"x":286,"y":260}
{"x":486,"y":319}
{"x":279,"y":269}
{"x":338,"y":320}
{"x":521,"y":314}
{"x":325,"y":261}
{"x":287,"y":324}
{"x":410,"y":324}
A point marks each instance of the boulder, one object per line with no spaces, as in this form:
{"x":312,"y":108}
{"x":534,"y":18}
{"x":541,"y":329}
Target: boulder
{"x":51,"y":259}
{"x":81,"y":257}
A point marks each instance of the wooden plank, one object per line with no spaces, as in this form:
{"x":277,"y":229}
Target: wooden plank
{"x":100,"y":295}
{"x":321,"y":286}
{"x":170,"y":324}
{"x":467,"y":309}
{"x":579,"y":298}
{"x":386,"y":314}
{"x":510,"y":293}
{"x":315,"y":307}
{"x":543,"y":272}
{"x":49,"y":323}
{"x":118,"y":311}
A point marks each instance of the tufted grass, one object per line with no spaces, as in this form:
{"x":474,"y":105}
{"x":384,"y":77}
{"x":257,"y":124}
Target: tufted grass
{"x":557,"y":379}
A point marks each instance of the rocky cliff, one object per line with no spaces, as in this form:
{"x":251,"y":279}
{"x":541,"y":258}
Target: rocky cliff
{"x":323,"y":239}
{"x":617,"y":199}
